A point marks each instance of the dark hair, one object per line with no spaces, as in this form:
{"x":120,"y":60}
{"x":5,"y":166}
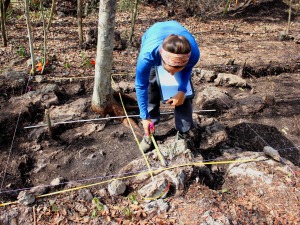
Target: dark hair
{"x":176,"y":44}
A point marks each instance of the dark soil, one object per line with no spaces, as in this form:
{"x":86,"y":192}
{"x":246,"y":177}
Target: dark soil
{"x":86,"y":152}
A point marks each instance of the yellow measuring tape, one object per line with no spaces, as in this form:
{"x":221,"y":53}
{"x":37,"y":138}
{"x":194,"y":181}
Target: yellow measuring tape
{"x":137,"y":141}
{"x":160,"y":156}
{"x":136,"y":175}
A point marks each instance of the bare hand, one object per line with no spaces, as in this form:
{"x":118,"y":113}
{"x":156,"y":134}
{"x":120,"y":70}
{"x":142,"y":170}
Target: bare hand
{"x":177,"y":99}
{"x":146,"y":125}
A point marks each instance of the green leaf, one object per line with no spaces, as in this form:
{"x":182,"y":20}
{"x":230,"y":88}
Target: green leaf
{"x":100,"y":207}
{"x":94,"y":213}
{"x":225,"y":190}
{"x":95,"y":201}
{"x":54,"y":208}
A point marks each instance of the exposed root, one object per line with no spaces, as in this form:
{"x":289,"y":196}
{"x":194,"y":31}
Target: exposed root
{"x":116,"y":110}
{"x":125,"y":97}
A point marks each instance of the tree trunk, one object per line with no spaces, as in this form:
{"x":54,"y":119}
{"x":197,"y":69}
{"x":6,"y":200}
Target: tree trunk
{"x":29,"y":36}
{"x":51,"y":14}
{"x":3,"y":28}
{"x":102,"y":93}
{"x":103,"y":101}
{"x":45,"y":37}
{"x":133,"y":19}
{"x":79,"y":21}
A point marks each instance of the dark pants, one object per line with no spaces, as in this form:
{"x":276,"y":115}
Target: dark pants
{"x":183,"y":113}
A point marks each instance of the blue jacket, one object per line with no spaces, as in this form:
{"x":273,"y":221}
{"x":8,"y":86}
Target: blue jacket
{"x":149,"y":56}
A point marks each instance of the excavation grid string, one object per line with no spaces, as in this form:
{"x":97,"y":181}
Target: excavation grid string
{"x":116,"y":175}
{"x":16,"y":127}
{"x":13,"y":138}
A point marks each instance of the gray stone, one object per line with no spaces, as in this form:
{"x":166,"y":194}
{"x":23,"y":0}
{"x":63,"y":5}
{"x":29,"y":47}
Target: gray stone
{"x":214,"y":98}
{"x":57,"y":181}
{"x":159,"y":205}
{"x":214,"y":135}
{"x":271,"y":152}
{"x":74,"y":110}
{"x":116,"y":187}
{"x":172,"y":148}
{"x":210,"y":220}
{"x":154,"y":188}
{"x":26,"y":197}
{"x":248,"y":104}
{"x":207,"y":75}
{"x":85,"y":194}
{"x":39,"y":190}
{"x":103,"y":192}
{"x":269,"y":99}
{"x":230,"y":80}
{"x":39,"y":78}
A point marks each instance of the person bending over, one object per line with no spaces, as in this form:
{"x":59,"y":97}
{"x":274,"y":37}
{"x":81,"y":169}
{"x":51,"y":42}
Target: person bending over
{"x":171,"y":45}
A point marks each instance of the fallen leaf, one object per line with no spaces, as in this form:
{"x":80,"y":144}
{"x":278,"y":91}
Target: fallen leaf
{"x":108,"y":219}
{"x":39,"y":67}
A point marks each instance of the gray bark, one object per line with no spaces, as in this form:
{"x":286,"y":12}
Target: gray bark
{"x":3,"y":28}
{"x":29,"y":35}
{"x":102,"y":83}
{"x":79,"y":21}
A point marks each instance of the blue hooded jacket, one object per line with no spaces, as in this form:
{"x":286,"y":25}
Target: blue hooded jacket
{"x":149,"y":56}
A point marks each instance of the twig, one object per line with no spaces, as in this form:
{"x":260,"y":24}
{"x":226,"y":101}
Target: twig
{"x":34,"y":216}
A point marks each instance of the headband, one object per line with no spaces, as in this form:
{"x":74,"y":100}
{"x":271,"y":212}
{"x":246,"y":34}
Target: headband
{"x":173,"y":59}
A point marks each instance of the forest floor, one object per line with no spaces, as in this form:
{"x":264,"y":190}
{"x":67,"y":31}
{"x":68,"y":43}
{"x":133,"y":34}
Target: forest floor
{"x":249,"y":44}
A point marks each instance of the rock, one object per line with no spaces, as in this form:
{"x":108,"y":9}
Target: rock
{"x":271,"y":152}
{"x":248,"y":104}
{"x":133,"y":166}
{"x":103,"y":192}
{"x":212,"y":219}
{"x":269,"y":99}
{"x":214,"y":134}
{"x":155,"y":188}
{"x":10,"y":215}
{"x":171,"y":149}
{"x":74,"y":110}
{"x":214,"y":98}
{"x":208,"y":76}
{"x":160,"y":206}
{"x":230,"y":80}
{"x":85,"y":195}
{"x":249,"y":169}
{"x":57,"y":181}
{"x":75,"y":89}
{"x":116,"y":187}
{"x":39,"y":190}
{"x":26,"y":198}
{"x":39,"y":78}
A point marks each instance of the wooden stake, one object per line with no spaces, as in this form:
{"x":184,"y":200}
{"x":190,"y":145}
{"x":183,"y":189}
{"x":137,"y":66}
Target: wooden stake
{"x":48,"y":122}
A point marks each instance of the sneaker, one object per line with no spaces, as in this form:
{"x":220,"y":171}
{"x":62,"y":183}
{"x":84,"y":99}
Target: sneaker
{"x":190,"y":139}
{"x":183,"y":136}
{"x":146,"y":144}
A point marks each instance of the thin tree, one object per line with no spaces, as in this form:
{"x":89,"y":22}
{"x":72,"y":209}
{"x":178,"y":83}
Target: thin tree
{"x":102,"y":93}
{"x":51,"y":14}
{"x":289,"y":18}
{"x":79,"y":21}
{"x":45,"y":36}
{"x":133,"y":19}
{"x":3,"y":28}
{"x":103,"y":101}
{"x":29,"y":36}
